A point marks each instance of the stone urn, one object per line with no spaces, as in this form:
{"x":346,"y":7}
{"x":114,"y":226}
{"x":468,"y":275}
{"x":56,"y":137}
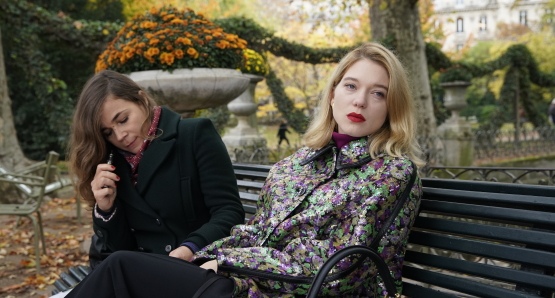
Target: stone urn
{"x":456,"y":132}
{"x":243,"y":142}
{"x":186,"y":90}
{"x":454,"y":99}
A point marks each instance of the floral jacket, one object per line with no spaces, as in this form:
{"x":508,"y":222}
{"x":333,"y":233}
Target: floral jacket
{"x":314,"y":203}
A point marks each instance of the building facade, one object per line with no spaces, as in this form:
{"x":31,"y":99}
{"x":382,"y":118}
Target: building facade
{"x":468,"y":21}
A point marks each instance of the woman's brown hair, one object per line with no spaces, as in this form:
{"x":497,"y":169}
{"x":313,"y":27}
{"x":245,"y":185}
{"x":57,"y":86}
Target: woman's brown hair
{"x":87,"y":146}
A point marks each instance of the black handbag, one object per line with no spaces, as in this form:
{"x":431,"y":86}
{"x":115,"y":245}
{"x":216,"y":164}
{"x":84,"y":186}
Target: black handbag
{"x":322,"y":276}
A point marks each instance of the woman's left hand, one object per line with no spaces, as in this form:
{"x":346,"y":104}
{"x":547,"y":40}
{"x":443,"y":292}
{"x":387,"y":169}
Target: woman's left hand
{"x":182,"y":252}
{"x":210,"y":265}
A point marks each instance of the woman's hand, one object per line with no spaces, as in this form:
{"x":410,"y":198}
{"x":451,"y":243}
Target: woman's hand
{"x":182,"y":252}
{"x":104,"y":186}
{"x":210,"y":265}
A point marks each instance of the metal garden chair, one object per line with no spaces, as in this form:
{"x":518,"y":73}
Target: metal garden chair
{"x":34,"y":187}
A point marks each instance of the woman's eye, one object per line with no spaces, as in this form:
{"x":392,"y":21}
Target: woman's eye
{"x":124,"y":120}
{"x":350,"y":86}
{"x":380,"y":94}
{"x":107,"y":134}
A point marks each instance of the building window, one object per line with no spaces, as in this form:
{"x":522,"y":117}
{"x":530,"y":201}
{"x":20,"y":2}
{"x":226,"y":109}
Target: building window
{"x":523,"y":20}
{"x":483,"y":23}
{"x":460,"y":27}
{"x":460,"y":47}
{"x":459,"y":2}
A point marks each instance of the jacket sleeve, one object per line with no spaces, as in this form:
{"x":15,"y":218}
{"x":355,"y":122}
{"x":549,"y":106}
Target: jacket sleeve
{"x":218,"y":185}
{"x":303,"y":256}
{"x":114,"y":233}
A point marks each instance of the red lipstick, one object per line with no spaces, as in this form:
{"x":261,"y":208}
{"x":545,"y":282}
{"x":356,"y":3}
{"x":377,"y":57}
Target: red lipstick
{"x":356,"y":117}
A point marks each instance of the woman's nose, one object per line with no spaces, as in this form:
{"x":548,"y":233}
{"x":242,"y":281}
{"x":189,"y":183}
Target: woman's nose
{"x":360,"y":101}
{"x":119,"y":135}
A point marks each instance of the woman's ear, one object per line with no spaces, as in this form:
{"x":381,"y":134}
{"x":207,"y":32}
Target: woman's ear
{"x":143,"y":95}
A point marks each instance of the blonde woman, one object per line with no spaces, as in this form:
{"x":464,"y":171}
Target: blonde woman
{"x":355,"y":183}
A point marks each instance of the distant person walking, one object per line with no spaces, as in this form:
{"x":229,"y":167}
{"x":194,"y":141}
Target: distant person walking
{"x":551,"y":112}
{"x":281,"y":132}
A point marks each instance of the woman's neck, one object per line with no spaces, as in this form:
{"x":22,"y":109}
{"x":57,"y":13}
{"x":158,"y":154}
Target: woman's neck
{"x":342,"y":139}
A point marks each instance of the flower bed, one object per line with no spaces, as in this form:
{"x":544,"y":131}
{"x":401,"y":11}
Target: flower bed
{"x":169,"y":38}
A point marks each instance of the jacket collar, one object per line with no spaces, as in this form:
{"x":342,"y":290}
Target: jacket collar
{"x":353,"y":155}
{"x":159,"y":149}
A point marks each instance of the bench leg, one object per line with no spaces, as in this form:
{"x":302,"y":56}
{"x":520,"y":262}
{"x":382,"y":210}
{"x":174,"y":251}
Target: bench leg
{"x":37,"y":251}
{"x":39,"y":216}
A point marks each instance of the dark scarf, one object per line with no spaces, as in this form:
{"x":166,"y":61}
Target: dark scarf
{"x":134,"y":159}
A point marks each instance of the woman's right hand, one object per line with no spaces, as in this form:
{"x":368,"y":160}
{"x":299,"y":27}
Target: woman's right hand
{"x":104,"y":186}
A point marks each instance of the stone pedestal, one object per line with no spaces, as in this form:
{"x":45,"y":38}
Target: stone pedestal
{"x":456,"y":132}
{"x":244,"y":143}
{"x":187,"y":90}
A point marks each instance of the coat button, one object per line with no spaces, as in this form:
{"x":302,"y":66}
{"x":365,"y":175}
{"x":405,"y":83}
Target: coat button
{"x":141,"y":249}
{"x":168,"y":248}
{"x":99,"y":233}
{"x":158,"y":221}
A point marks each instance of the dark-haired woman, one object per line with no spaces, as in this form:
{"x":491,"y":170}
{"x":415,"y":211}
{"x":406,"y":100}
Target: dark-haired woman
{"x":169,"y":187}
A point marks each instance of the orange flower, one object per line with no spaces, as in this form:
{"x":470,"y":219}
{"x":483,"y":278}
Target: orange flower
{"x":192,"y":52}
{"x":148,"y":35}
{"x":153,"y":51}
{"x":208,"y":37}
{"x":178,"y":53}
{"x":167,"y":58}
{"x":139,"y":52}
{"x":169,"y":47}
{"x":153,"y":11}
{"x":129,"y":34}
{"x":154,"y":41}
{"x":184,"y":41}
{"x":177,"y":21}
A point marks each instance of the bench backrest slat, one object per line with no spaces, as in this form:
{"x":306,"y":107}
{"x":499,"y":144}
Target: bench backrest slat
{"x":485,"y":249}
{"x":412,"y":290}
{"x":459,"y":284}
{"x":513,"y":235}
{"x":486,"y":271}
{"x":491,"y":198}
{"x":488,"y":212}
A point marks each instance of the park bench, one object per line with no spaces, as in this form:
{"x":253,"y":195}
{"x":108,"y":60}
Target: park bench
{"x":471,"y":238}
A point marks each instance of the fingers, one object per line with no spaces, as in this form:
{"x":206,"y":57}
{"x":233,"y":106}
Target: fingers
{"x":104,"y":178}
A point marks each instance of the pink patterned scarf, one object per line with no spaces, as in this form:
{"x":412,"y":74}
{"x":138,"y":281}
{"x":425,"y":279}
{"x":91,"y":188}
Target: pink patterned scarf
{"x":134,"y":160}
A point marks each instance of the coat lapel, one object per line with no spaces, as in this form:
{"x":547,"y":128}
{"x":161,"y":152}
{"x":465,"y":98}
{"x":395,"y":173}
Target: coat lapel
{"x":159,"y":149}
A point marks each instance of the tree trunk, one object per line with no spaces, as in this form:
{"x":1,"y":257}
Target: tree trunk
{"x":400,"y":20}
{"x":11,"y":156}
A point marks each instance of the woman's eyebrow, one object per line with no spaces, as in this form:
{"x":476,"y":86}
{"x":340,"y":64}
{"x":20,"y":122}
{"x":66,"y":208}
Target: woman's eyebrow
{"x":356,"y":80}
{"x":114,"y":118}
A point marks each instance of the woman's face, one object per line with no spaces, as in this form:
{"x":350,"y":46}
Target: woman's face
{"x":359,"y":101}
{"x":123,"y":124}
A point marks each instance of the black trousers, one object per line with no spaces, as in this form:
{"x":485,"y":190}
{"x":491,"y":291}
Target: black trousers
{"x":126,"y":274}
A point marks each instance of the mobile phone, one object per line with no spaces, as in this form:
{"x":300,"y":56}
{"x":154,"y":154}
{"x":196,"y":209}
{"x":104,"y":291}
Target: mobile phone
{"x":110,"y":160}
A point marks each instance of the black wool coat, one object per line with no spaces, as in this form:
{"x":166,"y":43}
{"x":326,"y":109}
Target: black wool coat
{"x":186,"y":191}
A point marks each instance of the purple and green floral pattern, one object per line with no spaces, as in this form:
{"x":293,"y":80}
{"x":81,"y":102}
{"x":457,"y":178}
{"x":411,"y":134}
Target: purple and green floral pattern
{"x":307,"y":213}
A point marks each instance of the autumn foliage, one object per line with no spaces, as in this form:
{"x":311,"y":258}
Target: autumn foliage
{"x":169,"y":38}
{"x":64,"y":241}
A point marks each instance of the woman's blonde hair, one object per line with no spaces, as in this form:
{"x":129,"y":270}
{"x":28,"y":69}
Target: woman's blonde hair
{"x":87,"y":146}
{"x":397,"y":135}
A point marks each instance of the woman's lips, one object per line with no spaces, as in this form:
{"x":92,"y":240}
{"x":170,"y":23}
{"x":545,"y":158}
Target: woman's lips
{"x":356,"y":117}
{"x":130,"y":144}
